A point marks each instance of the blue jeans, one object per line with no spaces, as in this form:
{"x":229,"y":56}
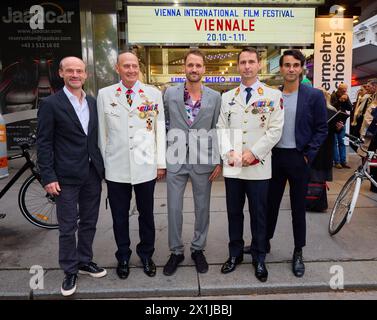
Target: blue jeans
{"x":339,"y":147}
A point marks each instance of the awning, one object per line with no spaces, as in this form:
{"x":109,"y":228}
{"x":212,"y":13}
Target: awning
{"x":364,"y":64}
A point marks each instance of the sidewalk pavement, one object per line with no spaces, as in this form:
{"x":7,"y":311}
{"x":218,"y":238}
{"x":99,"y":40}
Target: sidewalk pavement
{"x":23,"y":245}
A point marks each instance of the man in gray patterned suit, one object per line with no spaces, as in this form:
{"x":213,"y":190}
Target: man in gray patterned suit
{"x":191,"y":111}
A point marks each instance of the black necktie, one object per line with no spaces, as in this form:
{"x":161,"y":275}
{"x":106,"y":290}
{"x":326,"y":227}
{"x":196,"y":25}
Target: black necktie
{"x":248,"y":95}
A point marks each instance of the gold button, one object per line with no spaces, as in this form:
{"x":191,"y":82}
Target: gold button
{"x":243,"y":142}
{"x":131,"y":127}
{"x":244,"y":132}
{"x":246,"y":111}
{"x":245,"y":121}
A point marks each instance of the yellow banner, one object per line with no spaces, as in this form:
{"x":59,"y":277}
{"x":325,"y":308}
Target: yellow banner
{"x":333,"y":52}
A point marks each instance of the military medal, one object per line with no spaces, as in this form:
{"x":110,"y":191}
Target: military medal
{"x":119,"y":90}
{"x":142,"y":115}
{"x":263,"y":119}
{"x":113,"y":104}
{"x":149,"y":124}
{"x":254,"y":111}
{"x":260,"y":91}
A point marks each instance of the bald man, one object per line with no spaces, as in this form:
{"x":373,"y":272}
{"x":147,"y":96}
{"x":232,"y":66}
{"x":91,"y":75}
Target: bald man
{"x":132,"y":140}
{"x":71,"y":168}
{"x":341,"y":101}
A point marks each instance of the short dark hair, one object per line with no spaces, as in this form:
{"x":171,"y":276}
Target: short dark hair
{"x":297,"y":54}
{"x":195,"y":52}
{"x":248,"y":49}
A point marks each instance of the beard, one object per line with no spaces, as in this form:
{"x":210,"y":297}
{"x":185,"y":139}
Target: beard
{"x":193,"y":77}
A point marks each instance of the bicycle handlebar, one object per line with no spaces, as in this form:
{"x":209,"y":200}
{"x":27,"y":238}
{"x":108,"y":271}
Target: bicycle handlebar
{"x":354,"y":140}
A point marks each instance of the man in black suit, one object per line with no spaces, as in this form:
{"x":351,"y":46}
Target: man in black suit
{"x":305,"y":129}
{"x":71,"y":168}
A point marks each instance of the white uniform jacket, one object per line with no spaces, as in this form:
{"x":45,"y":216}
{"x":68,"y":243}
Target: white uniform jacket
{"x":132,"y":139}
{"x":256,"y":126}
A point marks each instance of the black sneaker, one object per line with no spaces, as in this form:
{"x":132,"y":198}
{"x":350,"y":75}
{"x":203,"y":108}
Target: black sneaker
{"x":200,"y":261}
{"x":93,"y":270}
{"x":69,"y":284}
{"x":172,"y":264}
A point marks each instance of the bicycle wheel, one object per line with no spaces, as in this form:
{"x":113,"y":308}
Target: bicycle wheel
{"x":342,"y":205}
{"x":36,"y":205}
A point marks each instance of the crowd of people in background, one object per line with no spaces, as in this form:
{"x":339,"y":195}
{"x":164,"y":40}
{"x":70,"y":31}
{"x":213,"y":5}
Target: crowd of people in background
{"x":362,"y":115}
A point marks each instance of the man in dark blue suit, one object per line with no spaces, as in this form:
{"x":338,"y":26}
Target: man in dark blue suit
{"x":305,"y":129}
{"x":71,"y":168}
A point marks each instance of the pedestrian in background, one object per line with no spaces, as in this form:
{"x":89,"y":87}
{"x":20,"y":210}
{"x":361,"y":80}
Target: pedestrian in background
{"x":341,"y":101}
{"x":359,"y":110}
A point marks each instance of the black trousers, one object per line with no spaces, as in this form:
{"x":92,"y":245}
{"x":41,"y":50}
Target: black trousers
{"x":73,"y":202}
{"x":256,"y":192}
{"x":288,"y":165}
{"x":120,"y":195}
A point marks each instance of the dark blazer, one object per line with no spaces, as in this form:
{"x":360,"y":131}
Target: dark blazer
{"x":63,"y":147}
{"x":311,"y":121}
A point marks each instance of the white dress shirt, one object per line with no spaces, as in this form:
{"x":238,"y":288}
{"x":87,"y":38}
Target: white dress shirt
{"x":135,"y":89}
{"x":81,"y":109}
{"x":254,"y":87}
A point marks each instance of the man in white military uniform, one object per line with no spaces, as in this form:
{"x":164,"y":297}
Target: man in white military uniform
{"x":250,"y":124}
{"x":132,"y":141}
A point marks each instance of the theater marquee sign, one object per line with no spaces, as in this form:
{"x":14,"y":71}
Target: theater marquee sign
{"x":220,"y":25}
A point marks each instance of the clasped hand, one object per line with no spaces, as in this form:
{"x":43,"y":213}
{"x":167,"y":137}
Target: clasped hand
{"x":240,"y":160}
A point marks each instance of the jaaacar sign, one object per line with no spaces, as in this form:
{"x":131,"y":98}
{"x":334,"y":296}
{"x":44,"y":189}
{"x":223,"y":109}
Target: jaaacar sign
{"x":216,"y":25}
{"x":333,"y":52}
{"x":37,"y":16}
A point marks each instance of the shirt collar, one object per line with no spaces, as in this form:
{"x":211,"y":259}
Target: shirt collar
{"x":255,"y":86}
{"x":70,"y":95}
{"x":135,"y":88}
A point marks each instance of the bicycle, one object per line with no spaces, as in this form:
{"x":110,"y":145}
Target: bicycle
{"x":36,"y":205}
{"x":346,"y":201}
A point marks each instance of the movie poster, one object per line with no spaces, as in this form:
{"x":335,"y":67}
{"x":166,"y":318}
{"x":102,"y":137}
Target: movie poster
{"x":35,"y":36}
